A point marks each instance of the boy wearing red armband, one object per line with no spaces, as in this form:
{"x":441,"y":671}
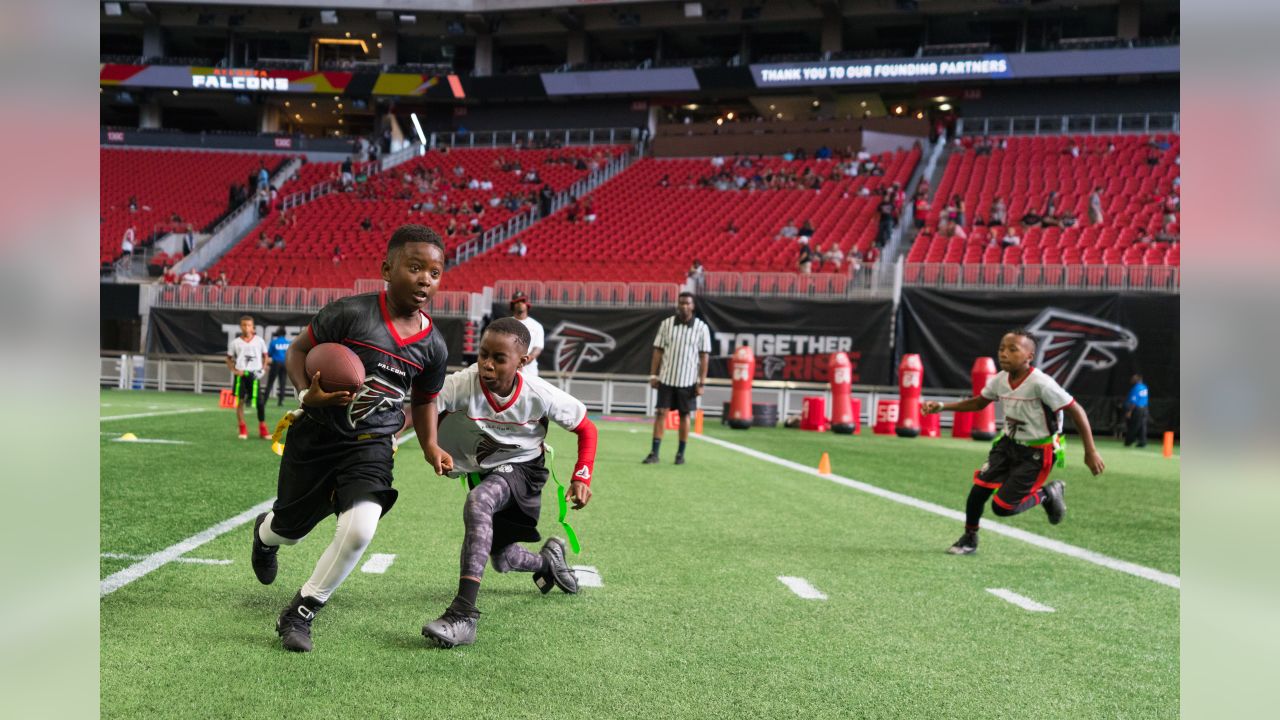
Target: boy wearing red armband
{"x":493,"y":423}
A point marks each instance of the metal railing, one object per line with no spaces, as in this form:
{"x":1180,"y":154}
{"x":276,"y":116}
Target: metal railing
{"x":1042,"y":277}
{"x":593,"y":294}
{"x":864,"y":282}
{"x":234,"y":226}
{"x":1106,"y":124}
{"x":536,"y":138}
{"x":283,"y":299}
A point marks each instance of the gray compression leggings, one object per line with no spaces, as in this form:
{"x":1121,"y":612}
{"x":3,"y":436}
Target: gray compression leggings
{"x":483,"y":501}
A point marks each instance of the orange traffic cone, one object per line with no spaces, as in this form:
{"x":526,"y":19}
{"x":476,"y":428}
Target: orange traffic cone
{"x":824,"y":465}
{"x":697,"y":422}
{"x":1168,"y":444}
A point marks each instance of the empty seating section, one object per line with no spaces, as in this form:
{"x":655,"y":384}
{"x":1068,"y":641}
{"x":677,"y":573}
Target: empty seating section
{"x":313,"y":231}
{"x":646,"y":232}
{"x":192,"y":185}
{"x":1133,"y":197}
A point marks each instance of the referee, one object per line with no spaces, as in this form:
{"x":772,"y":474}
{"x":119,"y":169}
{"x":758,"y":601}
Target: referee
{"x":678,"y":370}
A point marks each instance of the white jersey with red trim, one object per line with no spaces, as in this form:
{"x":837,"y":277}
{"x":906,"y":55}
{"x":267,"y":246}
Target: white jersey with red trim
{"x":483,"y":431}
{"x":249,"y":355}
{"x":1032,"y":408}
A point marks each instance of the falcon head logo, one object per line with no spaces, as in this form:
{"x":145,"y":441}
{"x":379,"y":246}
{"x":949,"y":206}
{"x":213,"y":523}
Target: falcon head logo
{"x":579,"y":344}
{"x":773,"y":365}
{"x":1067,"y":342}
{"x":376,"y":395}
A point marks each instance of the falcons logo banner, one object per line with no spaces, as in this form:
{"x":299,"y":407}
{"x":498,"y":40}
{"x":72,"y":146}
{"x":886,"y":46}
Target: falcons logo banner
{"x":1068,"y":342}
{"x":578,"y":344}
{"x":376,"y":395}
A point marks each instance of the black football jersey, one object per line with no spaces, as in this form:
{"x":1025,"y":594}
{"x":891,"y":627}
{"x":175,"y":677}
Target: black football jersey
{"x":396,"y":369}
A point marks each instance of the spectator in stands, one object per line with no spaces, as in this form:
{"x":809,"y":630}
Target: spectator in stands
{"x":1050,"y":204}
{"x":1166,"y":235}
{"x":921,"y":211}
{"x":264,"y":177}
{"x":823,"y":153}
{"x":789,"y":230}
{"x":1171,"y":206}
{"x":1069,"y":219}
{"x":451,"y":229}
{"x":264,"y":203}
{"x":588,"y":210}
{"x":805,"y":260}
{"x":222,"y":279}
{"x":999,"y":212}
{"x":664,"y":181}
{"x":169,"y":277}
{"x":834,"y":256}
{"x":885,"y":209}
{"x":1095,"y":206}
{"x":731,"y":228}
{"x":133,"y":203}
{"x":474,"y":227}
{"x":717,"y":161}
{"x":366,"y":224}
{"x":871,"y":255}
{"x":346,"y":178}
{"x":574,"y":210}
{"x":958,"y":216}
{"x":697,"y":276}
{"x":806,"y":231}
{"x":264,"y":242}
{"x":1073,"y":149}
{"x":545,"y":196}
{"x":191,"y":278}
{"x":337,"y":255}
{"x":1144,"y":237}
{"x":518,"y":248}
{"x":1030,"y":219}
{"x":279,"y":242}
{"x":1011,"y":238}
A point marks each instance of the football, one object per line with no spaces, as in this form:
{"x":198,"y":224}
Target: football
{"x":340,"y":368}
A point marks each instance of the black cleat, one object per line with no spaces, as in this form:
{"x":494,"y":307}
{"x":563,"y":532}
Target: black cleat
{"x":558,"y":573}
{"x":966,"y":545}
{"x":650,"y":459}
{"x":1055,"y":502}
{"x":452,"y":629}
{"x":294,"y":624}
{"x":679,"y":458}
{"x":263,"y":557}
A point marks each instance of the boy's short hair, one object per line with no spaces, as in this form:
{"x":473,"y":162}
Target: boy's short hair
{"x":246,"y":317}
{"x":406,"y":234}
{"x":1023,"y":333}
{"x":514,"y":328}
{"x":686,"y":294}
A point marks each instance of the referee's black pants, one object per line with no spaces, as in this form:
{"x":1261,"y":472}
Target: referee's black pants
{"x":1136,"y":430}
{"x":277,"y":373}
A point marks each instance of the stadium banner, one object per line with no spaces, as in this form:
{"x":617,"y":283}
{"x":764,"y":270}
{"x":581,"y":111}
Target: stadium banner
{"x":1091,"y":343}
{"x":792,"y":339}
{"x":208,"y":332}
{"x":989,"y":66}
{"x":189,"y":77}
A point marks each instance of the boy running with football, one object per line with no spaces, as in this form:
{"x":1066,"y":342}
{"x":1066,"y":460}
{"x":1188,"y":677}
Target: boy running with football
{"x":1023,"y":455}
{"x":338,"y":456}
{"x":494,"y":422}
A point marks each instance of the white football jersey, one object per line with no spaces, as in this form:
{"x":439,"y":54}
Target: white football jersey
{"x":1032,"y":409}
{"x":482,"y":431}
{"x":248,"y":354}
{"x":537,"y":336}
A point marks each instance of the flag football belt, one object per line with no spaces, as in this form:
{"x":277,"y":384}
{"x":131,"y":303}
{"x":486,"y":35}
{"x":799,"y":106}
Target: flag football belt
{"x":471,"y":479}
{"x":1057,"y":442}
{"x":277,"y":436}
{"x":253,"y":401}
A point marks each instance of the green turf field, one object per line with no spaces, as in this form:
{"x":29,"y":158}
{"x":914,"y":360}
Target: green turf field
{"x":691,"y":620}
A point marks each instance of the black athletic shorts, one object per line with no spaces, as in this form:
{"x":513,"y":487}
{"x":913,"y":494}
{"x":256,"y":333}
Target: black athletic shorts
{"x":323,"y":473}
{"x":250,"y":390}
{"x":683,"y":400}
{"x":518,"y":521}
{"x":1014,"y":471}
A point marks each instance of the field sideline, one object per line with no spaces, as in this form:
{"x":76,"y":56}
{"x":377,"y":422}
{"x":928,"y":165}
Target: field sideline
{"x":691,"y":620}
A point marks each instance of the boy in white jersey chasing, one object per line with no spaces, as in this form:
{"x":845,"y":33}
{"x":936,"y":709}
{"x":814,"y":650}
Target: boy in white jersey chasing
{"x":493,"y":423}
{"x":1023,"y":455}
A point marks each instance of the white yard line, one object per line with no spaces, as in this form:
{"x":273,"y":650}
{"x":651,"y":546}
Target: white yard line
{"x":157,"y":560}
{"x":196,"y":561}
{"x":588,"y":576}
{"x":1021,"y":601}
{"x":154,"y":441}
{"x":378,"y":563}
{"x":151,"y":414}
{"x":801,"y":587}
{"x":1039,"y":541}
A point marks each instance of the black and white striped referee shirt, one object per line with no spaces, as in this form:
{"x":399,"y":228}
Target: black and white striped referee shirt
{"x":680,"y":344}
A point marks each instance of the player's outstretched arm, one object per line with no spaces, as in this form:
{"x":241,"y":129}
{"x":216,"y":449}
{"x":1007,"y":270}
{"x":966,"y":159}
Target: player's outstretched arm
{"x":579,"y":492}
{"x":968,"y":405}
{"x":424,"y":424}
{"x":1091,"y":457}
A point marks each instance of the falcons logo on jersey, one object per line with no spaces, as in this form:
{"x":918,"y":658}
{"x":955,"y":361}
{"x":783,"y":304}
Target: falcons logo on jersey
{"x":579,"y":344}
{"x":1067,"y":342}
{"x":376,"y":395}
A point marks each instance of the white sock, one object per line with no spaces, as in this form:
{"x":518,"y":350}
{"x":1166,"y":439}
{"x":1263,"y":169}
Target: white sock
{"x":268,"y":537}
{"x":355,"y":530}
